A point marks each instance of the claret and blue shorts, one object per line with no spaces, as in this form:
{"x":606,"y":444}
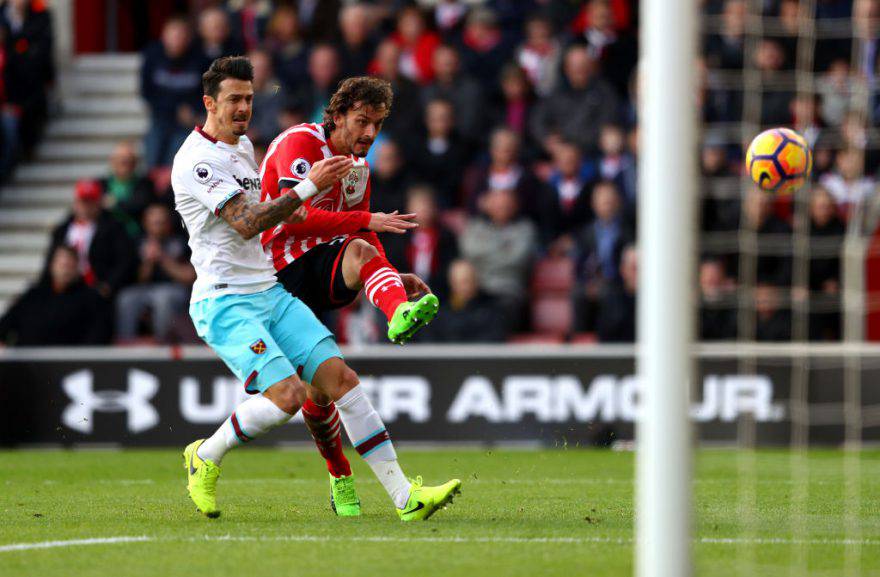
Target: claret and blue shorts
{"x":264,"y":337}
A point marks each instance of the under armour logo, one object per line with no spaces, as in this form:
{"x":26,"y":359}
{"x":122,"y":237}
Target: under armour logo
{"x":85,"y":401}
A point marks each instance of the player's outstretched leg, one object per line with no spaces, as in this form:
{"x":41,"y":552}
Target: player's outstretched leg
{"x":322,"y":419}
{"x":363,"y":266}
{"x":367,"y":432}
{"x":251,"y":419}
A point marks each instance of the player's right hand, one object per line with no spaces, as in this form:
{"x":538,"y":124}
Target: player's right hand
{"x":396,"y":223}
{"x":327,"y":172}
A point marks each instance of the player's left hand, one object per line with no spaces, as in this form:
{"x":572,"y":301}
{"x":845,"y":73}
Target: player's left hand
{"x":414,"y":286}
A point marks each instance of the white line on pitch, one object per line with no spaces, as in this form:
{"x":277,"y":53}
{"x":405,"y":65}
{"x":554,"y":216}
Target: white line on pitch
{"x":461,"y":540}
{"x":73,"y":543}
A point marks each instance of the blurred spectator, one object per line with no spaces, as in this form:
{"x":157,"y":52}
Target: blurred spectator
{"x":866,"y":32}
{"x":773,"y":263}
{"x":506,"y":170}
{"x":617,"y":53}
{"x":427,"y":250}
{"x":60,"y":310}
{"x":847,"y":182}
{"x":578,"y":107}
{"x":769,"y":59}
{"x":566,"y":203}
{"x":516,"y":107}
{"x":826,"y":242}
{"x":789,"y":19}
{"x":28,"y":70}
{"x":126,"y":191}
{"x":718,"y":304}
{"x":449,"y":16}
{"x":171,"y":83}
{"x":835,"y":88}
{"x":248,"y":19}
{"x":163,"y":279}
{"x":501,"y":247}
{"x":441,"y":157}
{"x":388,"y":178}
{"x":461,"y":90}
{"x":284,"y":40}
{"x":539,"y":54}
{"x":719,"y":208}
{"x":854,"y":134}
{"x":417,"y":45}
{"x":725,"y":50}
{"x":356,"y":49}
{"x":319,"y":18}
{"x":106,"y":255}
{"x":268,"y":100}
{"x":324,"y":75}
{"x":772,"y":323}
{"x":619,"y":166}
{"x":215,"y":38}
{"x":469,"y":315}
{"x":484,"y":47}
{"x":404,"y":120}
{"x":597,"y":252}
{"x":616,"y":321}
{"x":805,"y":117}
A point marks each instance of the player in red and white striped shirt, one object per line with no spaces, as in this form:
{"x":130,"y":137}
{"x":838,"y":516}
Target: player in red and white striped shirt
{"x":335,"y":252}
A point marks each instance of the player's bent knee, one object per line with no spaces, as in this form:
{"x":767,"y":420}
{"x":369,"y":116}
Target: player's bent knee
{"x":362,"y":252}
{"x":288,"y":395}
{"x":348,"y":381}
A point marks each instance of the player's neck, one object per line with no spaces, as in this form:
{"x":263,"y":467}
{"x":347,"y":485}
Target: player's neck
{"x":336,"y":144}
{"x":212,"y":130}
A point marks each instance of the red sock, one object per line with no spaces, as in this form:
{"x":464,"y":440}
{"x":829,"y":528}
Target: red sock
{"x":323,"y":423}
{"x":382,"y":285}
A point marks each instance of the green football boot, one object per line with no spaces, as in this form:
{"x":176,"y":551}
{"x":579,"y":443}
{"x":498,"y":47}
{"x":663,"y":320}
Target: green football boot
{"x":410,"y":317}
{"x":343,"y":497}
{"x":201,"y":477}
{"x":425,"y":501}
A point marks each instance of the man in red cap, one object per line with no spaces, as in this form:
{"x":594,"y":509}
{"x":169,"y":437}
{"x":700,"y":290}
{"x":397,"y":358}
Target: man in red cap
{"x":107,"y":258}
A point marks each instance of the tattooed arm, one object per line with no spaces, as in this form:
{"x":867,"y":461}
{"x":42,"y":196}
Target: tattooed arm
{"x":251,"y":218}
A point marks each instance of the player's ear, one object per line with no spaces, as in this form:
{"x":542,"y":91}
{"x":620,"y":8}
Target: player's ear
{"x":209,"y":102}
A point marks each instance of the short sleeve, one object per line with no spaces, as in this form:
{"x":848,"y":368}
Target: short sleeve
{"x":209,"y":182}
{"x":296,"y":155}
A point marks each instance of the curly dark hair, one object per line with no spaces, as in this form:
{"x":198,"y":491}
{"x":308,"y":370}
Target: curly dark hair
{"x":363,"y":90}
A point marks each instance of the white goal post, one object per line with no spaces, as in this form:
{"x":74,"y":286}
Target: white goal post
{"x":666,"y":230}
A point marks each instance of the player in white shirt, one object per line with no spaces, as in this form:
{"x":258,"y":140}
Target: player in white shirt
{"x":263,"y":334}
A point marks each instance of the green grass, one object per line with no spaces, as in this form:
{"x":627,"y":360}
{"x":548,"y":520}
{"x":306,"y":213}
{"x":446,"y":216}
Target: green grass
{"x":790,"y":516}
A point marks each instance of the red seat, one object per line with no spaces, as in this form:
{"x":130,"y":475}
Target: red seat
{"x":552,"y":314}
{"x":553,"y":276}
{"x":533,"y":338}
{"x":584,"y":338}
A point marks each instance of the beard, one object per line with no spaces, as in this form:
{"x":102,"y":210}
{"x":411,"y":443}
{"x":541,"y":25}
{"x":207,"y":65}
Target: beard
{"x":240,"y":130}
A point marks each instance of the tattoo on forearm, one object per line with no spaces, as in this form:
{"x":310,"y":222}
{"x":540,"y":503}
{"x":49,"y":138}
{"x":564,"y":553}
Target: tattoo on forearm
{"x":250,"y":218}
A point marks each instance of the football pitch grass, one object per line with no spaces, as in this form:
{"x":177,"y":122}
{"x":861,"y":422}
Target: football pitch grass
{"x":534,"y":513}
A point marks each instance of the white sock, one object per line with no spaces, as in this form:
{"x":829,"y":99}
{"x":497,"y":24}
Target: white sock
{"x":371,"y":440}
{"x":251,"y":419}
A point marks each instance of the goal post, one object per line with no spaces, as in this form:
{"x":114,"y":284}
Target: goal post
{"x":666,"y":231}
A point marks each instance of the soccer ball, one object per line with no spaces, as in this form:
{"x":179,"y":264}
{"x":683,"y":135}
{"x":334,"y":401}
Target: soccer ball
{"x":779,"y":160}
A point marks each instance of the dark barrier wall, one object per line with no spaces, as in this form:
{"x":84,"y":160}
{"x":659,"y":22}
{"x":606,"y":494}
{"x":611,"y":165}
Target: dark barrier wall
{"x":550,"y":395}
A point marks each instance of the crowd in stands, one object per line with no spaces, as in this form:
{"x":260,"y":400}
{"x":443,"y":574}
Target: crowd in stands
{"x":26,"y":74}
{"x":513,"y":136}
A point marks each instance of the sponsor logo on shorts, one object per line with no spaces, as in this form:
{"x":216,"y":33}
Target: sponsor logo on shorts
{"x":259,"y":347}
